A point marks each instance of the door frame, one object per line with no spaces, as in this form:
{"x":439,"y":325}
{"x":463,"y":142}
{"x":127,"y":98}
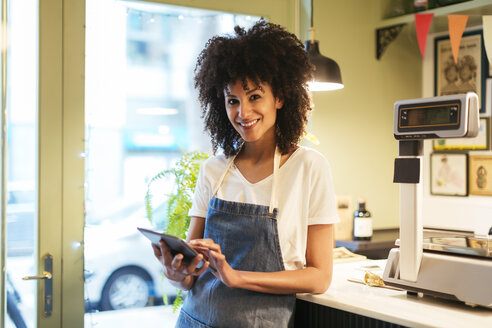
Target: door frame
{"x":60,"y":158}
{"x":61,"y":144}
{"x":3,"y":151}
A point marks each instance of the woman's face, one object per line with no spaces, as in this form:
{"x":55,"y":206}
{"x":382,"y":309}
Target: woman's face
{"x":452,"y":74}
{"x":465,"y":73}
{"x":252,"y":112}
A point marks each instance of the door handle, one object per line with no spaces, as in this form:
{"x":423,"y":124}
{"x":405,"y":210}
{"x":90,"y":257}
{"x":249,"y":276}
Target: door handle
{"x":47,"y":276}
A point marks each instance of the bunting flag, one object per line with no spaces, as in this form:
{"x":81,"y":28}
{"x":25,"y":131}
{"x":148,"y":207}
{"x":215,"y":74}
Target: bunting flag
{"x":422,"y":25}
{"x":456,"y":26}
{"x":487,"y":37}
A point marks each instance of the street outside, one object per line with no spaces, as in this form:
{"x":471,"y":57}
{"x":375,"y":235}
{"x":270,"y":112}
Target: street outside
{"x":21,"y":266}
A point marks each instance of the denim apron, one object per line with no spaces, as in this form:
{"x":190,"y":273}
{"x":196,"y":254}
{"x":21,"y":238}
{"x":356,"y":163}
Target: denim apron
{"x":248,"y":237}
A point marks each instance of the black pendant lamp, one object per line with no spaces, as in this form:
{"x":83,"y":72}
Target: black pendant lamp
{"x":327,"y":74}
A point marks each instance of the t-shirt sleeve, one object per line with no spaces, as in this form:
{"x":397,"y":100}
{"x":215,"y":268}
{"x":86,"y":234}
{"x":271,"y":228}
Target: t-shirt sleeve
{"x":322,"y":200}
{"x":202,"y":194}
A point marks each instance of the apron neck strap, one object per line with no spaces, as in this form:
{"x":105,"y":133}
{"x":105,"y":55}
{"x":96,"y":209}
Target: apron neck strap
{"x":228,"y":166}
{"x":276,"y":167}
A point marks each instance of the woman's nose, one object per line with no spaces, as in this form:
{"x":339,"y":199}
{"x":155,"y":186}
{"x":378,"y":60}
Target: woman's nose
{"x":245,"y":109}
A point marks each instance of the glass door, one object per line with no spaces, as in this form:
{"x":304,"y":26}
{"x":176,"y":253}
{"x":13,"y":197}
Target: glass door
{"x":20,"y":161}
{"x":142,"y":114}
{"x":42,"y":161}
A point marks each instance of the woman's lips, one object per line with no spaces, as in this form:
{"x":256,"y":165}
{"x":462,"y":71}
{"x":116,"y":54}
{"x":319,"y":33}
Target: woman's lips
{"x":249,"y":124}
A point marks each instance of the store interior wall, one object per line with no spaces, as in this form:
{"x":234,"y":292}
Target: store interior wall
{"x":355,"y":124}
{"x":471,"y":213}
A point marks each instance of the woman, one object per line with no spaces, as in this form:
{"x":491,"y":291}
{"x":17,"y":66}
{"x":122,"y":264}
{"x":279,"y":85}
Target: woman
{"x":263,"y":211}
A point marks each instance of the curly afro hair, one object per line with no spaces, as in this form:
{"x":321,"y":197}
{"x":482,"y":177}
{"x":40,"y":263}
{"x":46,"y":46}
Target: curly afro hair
{"x":266,"y":53}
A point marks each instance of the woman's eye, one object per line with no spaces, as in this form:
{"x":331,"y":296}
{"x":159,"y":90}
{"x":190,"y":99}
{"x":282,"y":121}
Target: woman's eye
{"x":232,"y":101}
{"x":255,"y":97}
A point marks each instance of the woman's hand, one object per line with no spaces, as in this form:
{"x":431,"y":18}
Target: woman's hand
{"x":174,"y":267}
{"x":212,"y":252}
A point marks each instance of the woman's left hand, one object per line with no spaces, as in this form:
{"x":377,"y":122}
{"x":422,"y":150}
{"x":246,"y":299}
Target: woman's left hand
{"x":212,"y":252}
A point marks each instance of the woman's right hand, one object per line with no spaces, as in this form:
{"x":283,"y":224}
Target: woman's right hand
{"x":174,"y":267}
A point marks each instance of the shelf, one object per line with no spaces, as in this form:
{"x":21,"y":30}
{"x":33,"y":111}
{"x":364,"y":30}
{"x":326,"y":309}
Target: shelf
{"x":473,"y":7}
{"x":377,"y":248}
{"x":388,"y":29}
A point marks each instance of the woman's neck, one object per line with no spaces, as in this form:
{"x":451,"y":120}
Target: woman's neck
{"x":258,"y":151}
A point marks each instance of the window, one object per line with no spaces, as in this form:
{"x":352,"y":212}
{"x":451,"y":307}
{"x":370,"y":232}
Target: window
{"x":141,"y":114}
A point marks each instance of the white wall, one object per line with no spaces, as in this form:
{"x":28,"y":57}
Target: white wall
{"x":472,"y":213}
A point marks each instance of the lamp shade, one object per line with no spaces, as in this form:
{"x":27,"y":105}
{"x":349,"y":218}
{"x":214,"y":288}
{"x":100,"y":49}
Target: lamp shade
{"x":327,"y":74}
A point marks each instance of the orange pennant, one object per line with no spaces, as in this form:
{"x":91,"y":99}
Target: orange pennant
{"x":422,"y":25}
{"x":456,"y":25}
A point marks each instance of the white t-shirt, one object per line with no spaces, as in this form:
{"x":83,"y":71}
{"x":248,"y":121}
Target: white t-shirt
{"x":305,"y":196}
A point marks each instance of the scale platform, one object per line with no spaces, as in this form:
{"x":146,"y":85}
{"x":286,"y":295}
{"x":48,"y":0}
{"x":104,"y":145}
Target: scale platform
{"x":457,"y":243}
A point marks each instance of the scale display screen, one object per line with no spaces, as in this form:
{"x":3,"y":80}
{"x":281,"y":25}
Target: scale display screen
{"x":429,"y":116}
{"x":454,"y":116}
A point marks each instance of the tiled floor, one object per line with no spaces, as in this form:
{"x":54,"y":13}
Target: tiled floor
{"x":155,"y":316}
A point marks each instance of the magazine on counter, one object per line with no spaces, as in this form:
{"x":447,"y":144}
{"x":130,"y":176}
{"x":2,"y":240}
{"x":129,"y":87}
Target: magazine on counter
{"x":343,"y":255}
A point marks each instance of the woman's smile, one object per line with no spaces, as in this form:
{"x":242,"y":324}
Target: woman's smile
{"x":248,"y":125}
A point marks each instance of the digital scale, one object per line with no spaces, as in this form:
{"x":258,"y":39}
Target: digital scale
{"x":446,"y":264}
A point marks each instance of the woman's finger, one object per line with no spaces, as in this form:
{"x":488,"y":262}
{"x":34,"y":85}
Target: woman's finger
{"x":166,"y":253}
{"x":218,"y":257}
{"x":177,"y":261}
{"x":191,"y":267}
{"x":205,"y":244}
{"x":217,"y":260}
{"x":202,"y":268}
{"x":157,"y":251}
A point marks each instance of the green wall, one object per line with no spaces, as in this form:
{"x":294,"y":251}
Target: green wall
{"x":355,"y":124}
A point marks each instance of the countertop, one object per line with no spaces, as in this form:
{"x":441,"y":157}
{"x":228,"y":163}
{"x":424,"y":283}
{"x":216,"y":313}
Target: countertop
{"x":392,"y":305}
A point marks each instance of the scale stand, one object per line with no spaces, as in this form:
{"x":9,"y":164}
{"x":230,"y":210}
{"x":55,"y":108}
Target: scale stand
{"x":452,"y":276}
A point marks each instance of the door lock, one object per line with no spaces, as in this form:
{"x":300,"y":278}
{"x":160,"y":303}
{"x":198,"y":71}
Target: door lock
{"x":47,"y":276}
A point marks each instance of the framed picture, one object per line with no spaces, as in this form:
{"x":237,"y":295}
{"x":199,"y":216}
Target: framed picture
{"x":448,"y":174}
{"x":480,"y":142}
{"x":468,"y":74}
{"x":480,"y":175}
{"x":488,"y":98}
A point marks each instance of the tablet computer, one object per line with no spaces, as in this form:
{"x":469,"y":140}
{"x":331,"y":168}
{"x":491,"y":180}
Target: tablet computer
{"x":176,"y":245}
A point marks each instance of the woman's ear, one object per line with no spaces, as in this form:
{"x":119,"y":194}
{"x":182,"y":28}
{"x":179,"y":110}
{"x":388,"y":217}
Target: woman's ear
{"x":279,"y":103}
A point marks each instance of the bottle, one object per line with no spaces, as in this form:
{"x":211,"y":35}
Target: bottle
{"x":362,"y":222}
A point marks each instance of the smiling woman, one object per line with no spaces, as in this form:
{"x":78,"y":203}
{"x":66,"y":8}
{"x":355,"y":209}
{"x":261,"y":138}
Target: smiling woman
{"x":263,"y":211}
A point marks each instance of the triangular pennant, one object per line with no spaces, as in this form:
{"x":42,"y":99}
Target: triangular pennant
{"x":456,"y":25}
{"x":422,"y":25}
{"x":487,"y":36}
{"x":385,"y":36}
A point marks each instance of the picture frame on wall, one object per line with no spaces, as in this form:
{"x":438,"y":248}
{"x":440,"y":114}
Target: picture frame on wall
{"x":480,"y":142}
{"x":480,"y":175}
{"x":488,"y":98}
{"x":468,"y":74}
{"x":449,"y":174}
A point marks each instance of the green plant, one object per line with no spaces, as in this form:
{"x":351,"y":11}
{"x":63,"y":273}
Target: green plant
{"x":185,"y":174}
